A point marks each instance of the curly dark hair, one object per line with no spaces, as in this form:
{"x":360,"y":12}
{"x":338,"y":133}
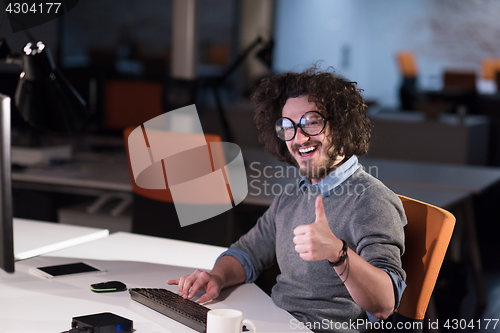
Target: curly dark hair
{"x":334,"y":96}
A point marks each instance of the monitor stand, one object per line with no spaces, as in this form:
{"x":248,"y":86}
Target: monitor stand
{"x":6,"y":229}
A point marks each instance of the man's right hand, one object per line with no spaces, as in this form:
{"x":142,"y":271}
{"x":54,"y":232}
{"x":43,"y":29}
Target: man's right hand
{"x":199,"y":280}
{"x":227,"y":272}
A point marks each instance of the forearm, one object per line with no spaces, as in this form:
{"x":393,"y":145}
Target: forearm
{"x":370,"y":287}
{"x":229,"y":270}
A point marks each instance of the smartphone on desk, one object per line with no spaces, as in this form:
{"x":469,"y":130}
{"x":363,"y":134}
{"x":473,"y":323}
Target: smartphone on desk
{"x":77,"y":268}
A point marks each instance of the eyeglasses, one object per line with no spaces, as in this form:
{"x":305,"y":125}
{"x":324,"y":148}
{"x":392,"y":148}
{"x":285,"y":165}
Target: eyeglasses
{"x":311,"y":123}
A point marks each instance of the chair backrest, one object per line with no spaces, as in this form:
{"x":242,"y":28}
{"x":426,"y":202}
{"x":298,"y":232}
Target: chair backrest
{"x":428,"y":234}
{"x":154,"y":212}
{"x":163,"y":194}
{"x":489,"y":68}
{"x":407,"y":64}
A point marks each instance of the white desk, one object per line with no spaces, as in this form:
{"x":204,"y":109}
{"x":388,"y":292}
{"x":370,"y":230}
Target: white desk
{"x":33,"y":304}
{"x":409,"y":135}
{"x":442,"y":185}
{"x":34,"y":238}
{"x":438,"y":184}
{"x":89,"y":171}
{"x":432,"y":176}
{"x":99,"y":175}
{"x":156,"y":250}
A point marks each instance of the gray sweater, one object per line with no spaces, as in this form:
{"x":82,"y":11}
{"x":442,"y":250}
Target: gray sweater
{"x":362,"y":211}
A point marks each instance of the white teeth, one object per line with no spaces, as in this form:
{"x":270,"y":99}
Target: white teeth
{"x":307,"y":149}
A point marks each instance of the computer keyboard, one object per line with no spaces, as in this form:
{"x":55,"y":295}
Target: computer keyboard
{"x":185,"y":311}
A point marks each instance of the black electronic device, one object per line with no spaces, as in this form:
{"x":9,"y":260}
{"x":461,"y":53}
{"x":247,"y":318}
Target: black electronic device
{"x":185,"y":311}
{"x":50,"y":272}
{"x":108,"y":287}
{"x":105,"y":322}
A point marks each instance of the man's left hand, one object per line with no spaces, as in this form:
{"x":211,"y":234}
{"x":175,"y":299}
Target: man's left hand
{"x":316,"y":241}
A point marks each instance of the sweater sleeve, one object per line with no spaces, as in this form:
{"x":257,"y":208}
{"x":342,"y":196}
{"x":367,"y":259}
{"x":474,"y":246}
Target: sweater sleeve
{"x":259,"y":244}
{"x":379,"y":221}
{"x":251,"y":272}
{"x":379,"y":234}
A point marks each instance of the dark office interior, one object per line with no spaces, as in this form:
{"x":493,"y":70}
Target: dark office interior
{"x":429,"y":71}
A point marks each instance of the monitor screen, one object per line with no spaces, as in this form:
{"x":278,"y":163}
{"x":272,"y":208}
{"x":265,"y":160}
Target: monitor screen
{"x":129,"y":103}
{"x":6,"y":229}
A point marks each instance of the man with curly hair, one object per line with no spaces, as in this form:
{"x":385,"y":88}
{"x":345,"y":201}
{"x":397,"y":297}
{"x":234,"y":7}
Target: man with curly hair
{"x":338,"y":236}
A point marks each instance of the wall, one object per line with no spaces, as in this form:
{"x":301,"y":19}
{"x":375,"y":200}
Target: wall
{"x":359,"y":38}
{"x":317,"y":30}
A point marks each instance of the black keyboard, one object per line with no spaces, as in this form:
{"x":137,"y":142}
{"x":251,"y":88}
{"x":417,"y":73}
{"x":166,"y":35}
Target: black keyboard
{"x":185,"y":311}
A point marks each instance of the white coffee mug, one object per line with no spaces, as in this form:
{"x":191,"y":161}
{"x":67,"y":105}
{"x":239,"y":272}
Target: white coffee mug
{"x":227,"y":321}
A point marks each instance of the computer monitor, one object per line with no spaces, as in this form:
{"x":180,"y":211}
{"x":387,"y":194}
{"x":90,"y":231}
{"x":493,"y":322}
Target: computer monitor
{"x":129,"y":103}
{"x":6,"y":228}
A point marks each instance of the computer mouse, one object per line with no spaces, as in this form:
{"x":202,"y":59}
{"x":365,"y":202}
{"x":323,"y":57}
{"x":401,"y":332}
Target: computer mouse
{"x":108,"y":287}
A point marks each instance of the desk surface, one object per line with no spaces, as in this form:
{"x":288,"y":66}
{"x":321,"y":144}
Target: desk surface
{"x":35,"y":304}
{"x":437,"y":184}
{"x":156,"y":250}
{"x":420,"y":117}
{"x":95,"y":171}
{"x":432,"y":176}
{"x":442,"y":185}
{"x":34,"y":238}
{"x":262,"y":192}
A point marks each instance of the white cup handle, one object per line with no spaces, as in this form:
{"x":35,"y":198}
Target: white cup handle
{"x":249,"y":324}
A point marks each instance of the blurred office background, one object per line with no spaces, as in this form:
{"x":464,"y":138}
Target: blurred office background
{"x":427,"y":69}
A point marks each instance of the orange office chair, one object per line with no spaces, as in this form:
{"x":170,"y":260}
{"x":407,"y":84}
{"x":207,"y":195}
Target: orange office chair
{"x":489,"y":68}
{"x":407,"y":64}
{"x":409,"y":94}
{"x":154,"y":213}
{"x":428,"y":234}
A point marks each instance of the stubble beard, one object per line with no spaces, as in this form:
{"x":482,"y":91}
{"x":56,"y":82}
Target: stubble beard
{"x":320,"y":170}
{"x":317,"y":171}
{"x":325,"y":164}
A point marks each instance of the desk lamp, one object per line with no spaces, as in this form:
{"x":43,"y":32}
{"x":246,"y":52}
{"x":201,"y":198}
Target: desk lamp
{"x":46,"y":101}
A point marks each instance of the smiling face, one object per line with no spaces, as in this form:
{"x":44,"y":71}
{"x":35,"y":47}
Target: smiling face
{"x":310,"y":152}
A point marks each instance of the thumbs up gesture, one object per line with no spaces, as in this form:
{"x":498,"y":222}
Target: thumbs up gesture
{"x":316,"y":241}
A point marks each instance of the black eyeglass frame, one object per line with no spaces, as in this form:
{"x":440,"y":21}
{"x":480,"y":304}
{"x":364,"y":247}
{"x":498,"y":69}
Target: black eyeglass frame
{"x":295,"y":126}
